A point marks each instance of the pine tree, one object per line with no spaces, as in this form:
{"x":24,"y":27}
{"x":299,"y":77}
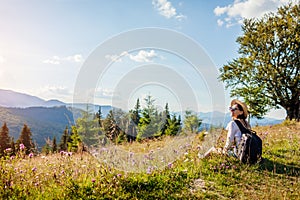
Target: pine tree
{"x":99,"y":117}
{"x":12,"y":146}
{"x":75,"y":140}
{"x":112,"y":130}
{"x":191,"y":122}
{"x":150,"y":122}
{"x":54,"y":145}
{"x":63,"y":145}
{"x":26,"y":140}
{"x":134,"y":122}
{"x":88,"y":127}
{"x":4,"y":139}
{"x":166,"y":118}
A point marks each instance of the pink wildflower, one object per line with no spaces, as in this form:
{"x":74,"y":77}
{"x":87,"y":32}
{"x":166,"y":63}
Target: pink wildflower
{"x":22,"y":147}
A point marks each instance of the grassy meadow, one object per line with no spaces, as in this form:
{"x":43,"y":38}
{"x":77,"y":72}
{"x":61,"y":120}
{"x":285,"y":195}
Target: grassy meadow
{"x":84,"y":176}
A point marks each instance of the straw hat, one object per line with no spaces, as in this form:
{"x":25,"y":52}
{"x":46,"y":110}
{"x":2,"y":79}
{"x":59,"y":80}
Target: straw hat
{"x":244,"y":106}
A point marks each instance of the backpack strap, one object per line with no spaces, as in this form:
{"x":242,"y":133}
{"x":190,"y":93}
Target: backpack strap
{"x":242,"y":128}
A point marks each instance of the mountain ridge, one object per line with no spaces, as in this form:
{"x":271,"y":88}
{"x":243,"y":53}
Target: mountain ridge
{"x":49,"y":118}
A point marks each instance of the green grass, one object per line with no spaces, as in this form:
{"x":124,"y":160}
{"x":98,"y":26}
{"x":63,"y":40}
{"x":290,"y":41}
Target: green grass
{"x":189,"y":177}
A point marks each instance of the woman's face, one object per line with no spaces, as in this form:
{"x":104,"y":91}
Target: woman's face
{"x":235,"y":111}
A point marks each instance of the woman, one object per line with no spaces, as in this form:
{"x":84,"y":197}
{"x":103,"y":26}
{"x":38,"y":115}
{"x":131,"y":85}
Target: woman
{"x":239,"y":112}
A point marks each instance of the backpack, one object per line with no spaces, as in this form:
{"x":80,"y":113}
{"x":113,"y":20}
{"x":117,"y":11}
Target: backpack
{"x":250,"y":147}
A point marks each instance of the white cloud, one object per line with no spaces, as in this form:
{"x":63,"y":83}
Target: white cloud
{"x":220,"y":22}
{"x":56,"y":60}
{"x":239,"y":10}
{"x":166,"y":9}
{"x":116,"y":58}
{"x":54,"y":89}
{"x":75,"y":58}
{"x":141,"y":56}
{"x":58,"y":92}
{"x":103,"y":93}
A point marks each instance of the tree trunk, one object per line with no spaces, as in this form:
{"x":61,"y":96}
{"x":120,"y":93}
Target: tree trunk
{"x":293,"y":112}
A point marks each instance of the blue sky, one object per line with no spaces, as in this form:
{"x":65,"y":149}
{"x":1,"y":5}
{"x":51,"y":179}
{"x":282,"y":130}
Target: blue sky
{"x":44,"y":44}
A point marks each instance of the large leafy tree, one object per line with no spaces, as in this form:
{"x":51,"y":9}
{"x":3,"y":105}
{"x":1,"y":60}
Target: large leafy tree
{"x":267,"y":73}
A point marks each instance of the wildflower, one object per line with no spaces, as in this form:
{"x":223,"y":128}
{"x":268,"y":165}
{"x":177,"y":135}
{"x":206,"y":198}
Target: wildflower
{"x":30,"y":155}
{"x":266,"y":133}
{"x":149,"y":170}
{"x":119,"y":175}
{"x":131,"y":154}
{"x":22,"y":147}
{"x":8,"y":150}
{"x":33,"y":169}
{"x":170,"y":165}
{"x":93,"y":180}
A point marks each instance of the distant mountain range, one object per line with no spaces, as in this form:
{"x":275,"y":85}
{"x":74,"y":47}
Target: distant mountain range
{"x":9,"y":98}
{"x":47,"y":119}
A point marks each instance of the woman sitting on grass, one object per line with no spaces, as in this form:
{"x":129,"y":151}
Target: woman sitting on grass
{"x":239,"y":112}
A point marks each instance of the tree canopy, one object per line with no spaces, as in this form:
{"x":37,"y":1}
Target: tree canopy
{"x":266,"y":74}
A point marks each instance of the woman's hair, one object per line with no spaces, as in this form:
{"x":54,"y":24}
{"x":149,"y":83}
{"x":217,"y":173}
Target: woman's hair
{"x":241,"y":116}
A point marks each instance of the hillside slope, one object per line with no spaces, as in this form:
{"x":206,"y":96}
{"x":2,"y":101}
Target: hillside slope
{"x":44,"y":122}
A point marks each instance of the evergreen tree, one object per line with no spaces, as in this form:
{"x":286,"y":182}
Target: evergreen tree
{"x":88,"y":128}
{"x":174,"y":126}
{"x":46,"y":149}
{"x":150,"y":122}
{"x":5,"y":141}
{"x":12,"y":146}
{"x":136,"y":112}
{"x":26,"y":140}
{"x":99,"y":117}
{"x":191,"y":122}
{"x":112,"y":130}
{"x":166,"y":118}
{"x":63,"y":145}
{"x":134,"y":121}
{"x":54,"y":145}
{"x":75,"y":140}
